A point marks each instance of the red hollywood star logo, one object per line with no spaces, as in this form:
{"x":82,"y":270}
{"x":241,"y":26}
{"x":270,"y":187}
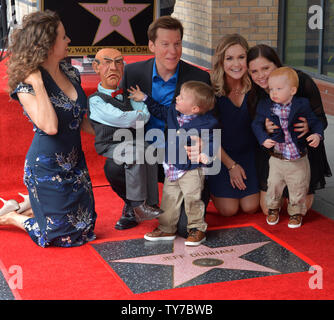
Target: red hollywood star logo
{"x":115,"y":15}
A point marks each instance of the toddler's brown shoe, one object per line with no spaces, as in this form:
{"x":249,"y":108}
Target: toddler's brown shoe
{"x":295,"y":221}
{"x":157,"y":235}
{"x":273,"y":216}
{"x":195,"y":237}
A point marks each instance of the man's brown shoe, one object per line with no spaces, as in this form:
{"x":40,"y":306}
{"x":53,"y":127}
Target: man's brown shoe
{"x":157,"y":235}
{"x":145,"y":212}
{"x":195,"y":238}
{"x":273,"y":216}
{"x":295,"y":221}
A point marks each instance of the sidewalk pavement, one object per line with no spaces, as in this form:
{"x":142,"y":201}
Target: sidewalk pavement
{"x":324,"y":198}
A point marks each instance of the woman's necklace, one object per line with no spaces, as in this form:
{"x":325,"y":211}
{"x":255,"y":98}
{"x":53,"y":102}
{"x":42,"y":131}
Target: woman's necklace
{"x":238,"y":92}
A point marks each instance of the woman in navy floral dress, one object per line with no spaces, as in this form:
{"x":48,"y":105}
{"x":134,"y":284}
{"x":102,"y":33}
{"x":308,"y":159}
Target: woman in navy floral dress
{"x":55,"y":170}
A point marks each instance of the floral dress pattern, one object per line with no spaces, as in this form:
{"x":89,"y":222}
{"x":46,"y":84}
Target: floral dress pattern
{"x":55,"y":171}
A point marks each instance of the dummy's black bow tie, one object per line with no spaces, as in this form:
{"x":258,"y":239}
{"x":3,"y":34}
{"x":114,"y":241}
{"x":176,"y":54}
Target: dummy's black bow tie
{"x":115,"y":93}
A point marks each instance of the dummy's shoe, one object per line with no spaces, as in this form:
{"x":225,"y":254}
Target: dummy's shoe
{"x":10,"y":205}
{"x":127,"y":220}
{"x":25,"y":205}
{"x":144,"y":212}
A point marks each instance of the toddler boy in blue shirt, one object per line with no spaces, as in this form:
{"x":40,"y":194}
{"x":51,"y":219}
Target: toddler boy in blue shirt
{"x":184,"y":179}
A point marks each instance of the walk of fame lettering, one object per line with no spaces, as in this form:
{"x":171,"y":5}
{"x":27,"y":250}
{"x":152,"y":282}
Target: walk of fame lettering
{"x":113,"y":9}
{"x":180,"y":256}
{"x":210,"y":253}
{"x":93,"y":50}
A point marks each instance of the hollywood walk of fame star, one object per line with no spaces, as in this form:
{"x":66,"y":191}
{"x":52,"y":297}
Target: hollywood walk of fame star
{"x":190,"y":262}
{"x":115,"y":15}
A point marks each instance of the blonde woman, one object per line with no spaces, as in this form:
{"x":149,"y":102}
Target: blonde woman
{"x":55,"y":171}
{"x":235,"y":187}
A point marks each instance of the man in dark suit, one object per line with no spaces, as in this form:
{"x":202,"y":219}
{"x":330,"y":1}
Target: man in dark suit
{"x":161,"y":77}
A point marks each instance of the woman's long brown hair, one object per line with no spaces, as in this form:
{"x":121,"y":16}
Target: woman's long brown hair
{"x":30,"y":45}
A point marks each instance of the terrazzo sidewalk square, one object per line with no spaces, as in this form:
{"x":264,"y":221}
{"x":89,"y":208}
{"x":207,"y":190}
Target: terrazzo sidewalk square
{"x":228,"y":254}
{"x":5,"y":291}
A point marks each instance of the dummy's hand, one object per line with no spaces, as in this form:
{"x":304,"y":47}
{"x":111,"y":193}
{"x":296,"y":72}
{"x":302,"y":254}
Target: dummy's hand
{"x":194,"y":151}
{"x":237,"y":177}
{"x":136,"y":94}
{"x":268,"y":143}
{"x":301,"y":127}
{"x":313,"y":139}
{"x":270,"y":126}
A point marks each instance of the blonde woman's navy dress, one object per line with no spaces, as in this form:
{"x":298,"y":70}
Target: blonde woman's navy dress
{"x":239,"y":142}
{"x":55,"y":171}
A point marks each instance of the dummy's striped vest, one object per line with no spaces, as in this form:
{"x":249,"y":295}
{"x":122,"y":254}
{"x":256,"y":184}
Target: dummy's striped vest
{"x":104,"y":133}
